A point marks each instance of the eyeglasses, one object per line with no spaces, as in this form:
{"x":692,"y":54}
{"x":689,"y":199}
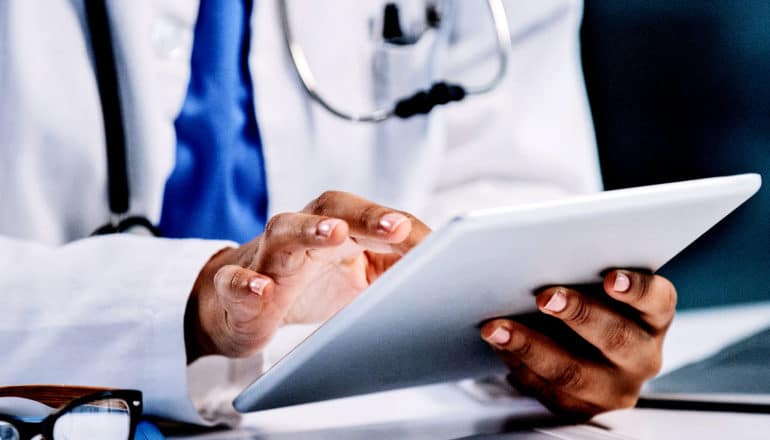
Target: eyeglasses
{"x":83,"y":413}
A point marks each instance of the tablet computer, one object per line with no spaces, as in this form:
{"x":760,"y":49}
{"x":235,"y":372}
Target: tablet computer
{"x":419,"y":322}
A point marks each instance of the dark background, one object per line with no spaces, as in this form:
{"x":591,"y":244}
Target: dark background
{"x":681,"y":90}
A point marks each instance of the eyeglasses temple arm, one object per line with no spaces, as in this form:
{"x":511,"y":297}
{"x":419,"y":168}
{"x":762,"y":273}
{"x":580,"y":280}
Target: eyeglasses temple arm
{"x":51,"y":395}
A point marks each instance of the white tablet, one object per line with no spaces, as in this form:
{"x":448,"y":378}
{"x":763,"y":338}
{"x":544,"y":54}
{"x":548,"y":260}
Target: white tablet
{"x":419,"y":322}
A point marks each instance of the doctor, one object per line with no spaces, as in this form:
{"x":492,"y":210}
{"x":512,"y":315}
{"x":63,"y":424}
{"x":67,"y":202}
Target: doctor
{"x":219,"y":134}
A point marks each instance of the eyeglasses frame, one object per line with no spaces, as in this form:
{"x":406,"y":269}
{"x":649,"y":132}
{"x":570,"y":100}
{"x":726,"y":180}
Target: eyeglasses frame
{"x":28,"y":430}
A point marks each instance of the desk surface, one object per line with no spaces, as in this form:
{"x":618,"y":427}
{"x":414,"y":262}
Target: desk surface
{"x":466,"y":410}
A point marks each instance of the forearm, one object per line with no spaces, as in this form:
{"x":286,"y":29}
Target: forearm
{"x":102,"y":311}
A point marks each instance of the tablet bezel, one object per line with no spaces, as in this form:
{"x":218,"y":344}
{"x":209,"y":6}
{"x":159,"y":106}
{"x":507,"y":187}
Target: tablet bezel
{"x":730,"y":191}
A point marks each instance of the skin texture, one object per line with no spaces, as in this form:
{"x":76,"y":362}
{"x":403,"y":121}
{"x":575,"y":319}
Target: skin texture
{"x":302,"y":269}
{"x":628,"y":339}
{"x":308,"y":265}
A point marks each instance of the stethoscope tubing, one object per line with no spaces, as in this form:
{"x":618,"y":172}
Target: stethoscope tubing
{"x":115,"y":136}
{"x":310,"y":85}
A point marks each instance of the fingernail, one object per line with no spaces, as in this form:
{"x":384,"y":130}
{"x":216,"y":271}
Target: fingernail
{"x":500,"y":336}
{"x":622,"y":282}
{"x":257,"y":285}
{"x":557,"y":303}
{"x":326,"y":227}
{"x":389,"y":222}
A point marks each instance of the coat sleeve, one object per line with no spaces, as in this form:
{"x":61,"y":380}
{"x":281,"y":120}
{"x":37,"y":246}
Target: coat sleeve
{"x":215,"y":381}
{"x":532,"y":137}
{"x":105,"y":311}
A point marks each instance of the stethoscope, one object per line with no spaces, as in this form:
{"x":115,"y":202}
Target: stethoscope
{"x":422,"y":101}
{"x":419,"y":103}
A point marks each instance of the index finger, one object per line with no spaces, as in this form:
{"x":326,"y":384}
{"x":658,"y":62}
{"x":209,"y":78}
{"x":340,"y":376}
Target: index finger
{"x":288,"y":237}
{"x":374,"y":226}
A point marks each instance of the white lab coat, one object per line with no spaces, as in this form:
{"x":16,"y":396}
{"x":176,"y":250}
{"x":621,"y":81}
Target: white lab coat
{"x":108,"y":311}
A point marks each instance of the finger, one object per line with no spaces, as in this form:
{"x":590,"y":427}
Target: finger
{"x":376,"y":227}
{"x":287,"y":238}
{"x":518,"y":345}
{"x":241,"y":292}
{"x":248,"y":297}
{"x":304,"y":231}
{"x":248,"y":311}
{"x":365,"y":218}
{"x":652,"y":295}
{"x":561,"y":404}
{"x":620,"y":339}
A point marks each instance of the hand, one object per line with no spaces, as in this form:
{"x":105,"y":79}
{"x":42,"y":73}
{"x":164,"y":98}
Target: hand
{"x":302,"y":269}
{"x":628,"y":345}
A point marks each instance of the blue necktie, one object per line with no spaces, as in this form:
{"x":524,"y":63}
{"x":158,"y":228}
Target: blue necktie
{"x":217,"y":188}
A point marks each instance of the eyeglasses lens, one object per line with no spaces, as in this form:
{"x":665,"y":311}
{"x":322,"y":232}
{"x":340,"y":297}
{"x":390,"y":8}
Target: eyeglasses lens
{"x":108,"y":419}
{"x":8,"y":432}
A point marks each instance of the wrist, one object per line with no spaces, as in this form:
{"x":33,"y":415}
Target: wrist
{"x":192,"y":332}
{"x":197,"y":331}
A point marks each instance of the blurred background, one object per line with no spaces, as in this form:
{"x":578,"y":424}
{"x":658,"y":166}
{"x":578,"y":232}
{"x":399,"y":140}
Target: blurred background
{"x":681,"y":90}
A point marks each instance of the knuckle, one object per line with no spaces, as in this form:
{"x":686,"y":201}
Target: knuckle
{"x":322,"y":203}
{"x":581,"y":312}
{"x":236,"y":280}
{"x":643,"y":282}
{"x":369,"y":216}
{"x":620,"y":336}
{"x":571,"y":377}
{"x":272,"y":224}
{"x":306,"y":228}
{"x":521,"y":346}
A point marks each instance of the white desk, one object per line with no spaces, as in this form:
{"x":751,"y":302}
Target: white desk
{"x":450,"y":411}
